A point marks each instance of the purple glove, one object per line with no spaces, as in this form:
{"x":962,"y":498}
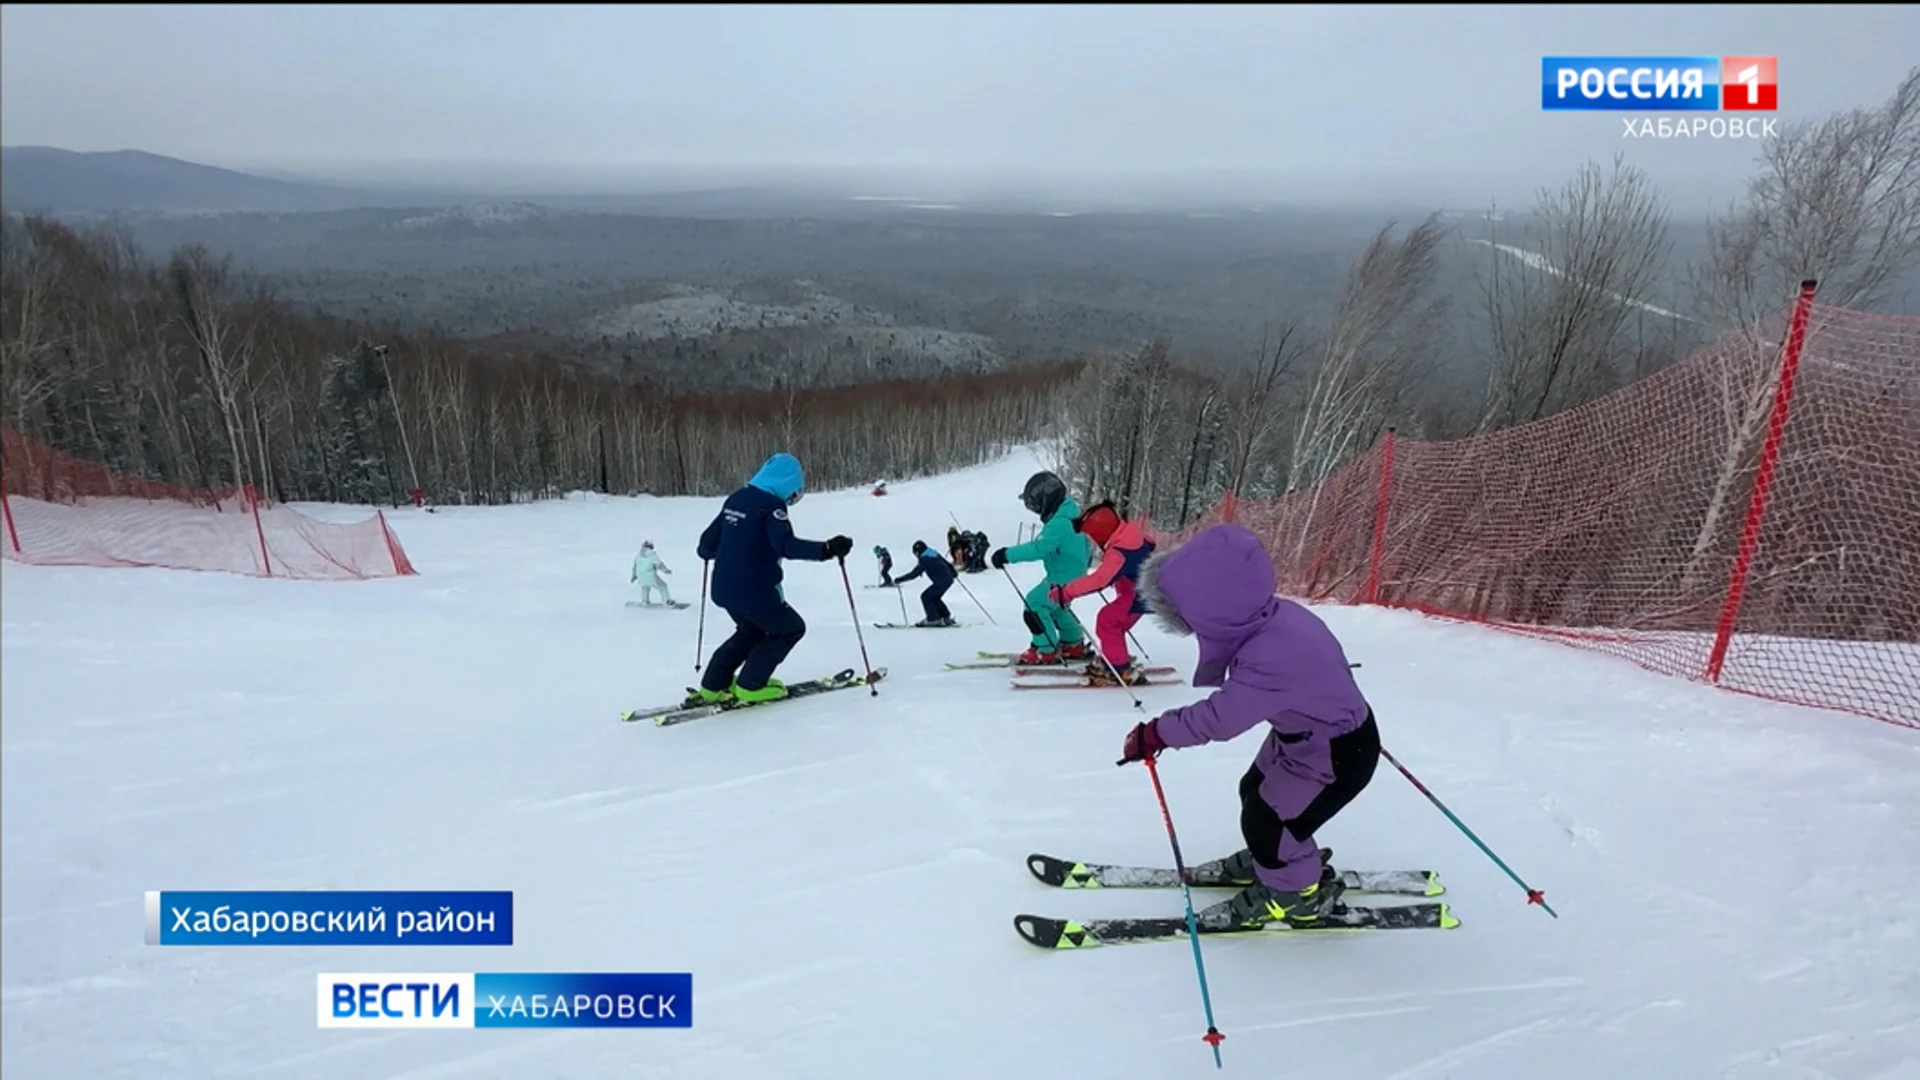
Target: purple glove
{"x":1143,"y":742}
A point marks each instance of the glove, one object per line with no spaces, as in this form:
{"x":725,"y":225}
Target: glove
{"x":838,"y":547}
{"x":999,"y":558}
{"x":1143,"y":742}
{"x":1057,"y":594}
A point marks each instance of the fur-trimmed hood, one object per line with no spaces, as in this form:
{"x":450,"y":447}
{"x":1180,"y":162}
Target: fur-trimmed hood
{"x":1217,"y":587}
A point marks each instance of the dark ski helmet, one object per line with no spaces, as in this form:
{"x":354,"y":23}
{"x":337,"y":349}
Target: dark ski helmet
{"x":919,"y":547}
{"x":1043,"y":494}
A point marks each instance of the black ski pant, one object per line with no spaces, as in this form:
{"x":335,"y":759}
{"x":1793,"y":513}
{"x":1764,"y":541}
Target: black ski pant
{"x":760,"y":641}
{"x":930,"y":600}
{"x":1355,"y":756}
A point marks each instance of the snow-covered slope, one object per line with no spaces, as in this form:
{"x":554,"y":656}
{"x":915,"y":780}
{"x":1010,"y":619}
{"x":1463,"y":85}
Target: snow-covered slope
{"x":1738,"y":882}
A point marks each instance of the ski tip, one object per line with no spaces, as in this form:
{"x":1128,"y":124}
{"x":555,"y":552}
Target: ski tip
{"x":1434,"y":888}
{"x":1050,"y":933}
{"x":1447,"y":919}
{"x":1048,"y":869}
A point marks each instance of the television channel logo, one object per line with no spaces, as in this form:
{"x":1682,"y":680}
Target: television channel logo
{"x":1660,"y":83}
{"x":505,"y":999}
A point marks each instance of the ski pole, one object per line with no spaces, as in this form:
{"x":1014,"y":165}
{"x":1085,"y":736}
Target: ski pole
{"x":975,"y":599}
{"x":1117,"y":680}
{"x":897,"y":591}
{"x":1044,"y":628}
{"x":700,"y":638}
{"x":1534,"y":896}
{"x":1213,"y":1036}
{"x":873,"y":690}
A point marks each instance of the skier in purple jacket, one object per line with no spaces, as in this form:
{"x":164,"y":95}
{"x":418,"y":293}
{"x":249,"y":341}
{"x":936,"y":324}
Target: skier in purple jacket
{"x":1275,"y":663}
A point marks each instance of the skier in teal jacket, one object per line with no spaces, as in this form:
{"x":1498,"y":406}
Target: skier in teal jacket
{"x":1058,"y":636}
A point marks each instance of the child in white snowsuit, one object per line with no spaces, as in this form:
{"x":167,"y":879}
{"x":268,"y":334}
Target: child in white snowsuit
{"x":647,"y":568}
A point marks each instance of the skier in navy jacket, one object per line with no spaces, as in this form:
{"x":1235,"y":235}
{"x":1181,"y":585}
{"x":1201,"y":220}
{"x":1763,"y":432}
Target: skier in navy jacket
{"x":940,"y":575}
{"x":746,"y":543}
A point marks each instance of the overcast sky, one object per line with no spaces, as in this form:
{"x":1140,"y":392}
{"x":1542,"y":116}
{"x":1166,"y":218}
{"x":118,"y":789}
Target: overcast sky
{"x":1427,"y":102}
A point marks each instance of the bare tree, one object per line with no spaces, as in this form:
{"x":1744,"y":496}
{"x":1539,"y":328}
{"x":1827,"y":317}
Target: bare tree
{"x":1561,"y":296}
{"x":1837,"y":201}
{"x":1381,"y":336}
{"x":203,"y":286}
{"x":1253,"y":412}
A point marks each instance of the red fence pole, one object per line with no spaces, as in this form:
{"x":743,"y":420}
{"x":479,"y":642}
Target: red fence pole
{"x":253,"y":503}
{"x":1762,"y":480}
{"x":1226,"y":508}
{"x":1372,"y":594}
{"x":6,"y":505}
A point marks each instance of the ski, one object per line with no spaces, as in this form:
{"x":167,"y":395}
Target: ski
{"x":911,"y":626}
{"x":1216,"y":874}
{"x":681,"y":712}
{"x":1052,"y":933}
{"x":1083,"y":683}
{"x":1039,"y":669}
{"x":1022,"y":671}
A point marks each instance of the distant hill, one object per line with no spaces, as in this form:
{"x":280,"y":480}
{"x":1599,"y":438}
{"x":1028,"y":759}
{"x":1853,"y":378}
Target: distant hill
{"x":45,"y":179}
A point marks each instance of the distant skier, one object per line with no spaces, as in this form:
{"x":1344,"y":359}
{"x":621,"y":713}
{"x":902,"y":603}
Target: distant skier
{"x":977,"y":549}
{"x":956,"y":547}
{"x":886,"y":566}
{"x":1126,"y":549}
{"x":1288,"y":671}
{"x":747,"y":541}
{"x":940,"y":574}
{"x":1057,"y":635}
{"x":879,"y":488}
{"x":648,"y":567}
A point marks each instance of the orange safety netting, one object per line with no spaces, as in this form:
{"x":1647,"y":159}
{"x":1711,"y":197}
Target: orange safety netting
{"x":1749,"y":517}
{"x":64,"y":511}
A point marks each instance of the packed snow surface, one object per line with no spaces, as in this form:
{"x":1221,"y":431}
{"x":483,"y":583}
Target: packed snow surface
{"x":1738,"y":882}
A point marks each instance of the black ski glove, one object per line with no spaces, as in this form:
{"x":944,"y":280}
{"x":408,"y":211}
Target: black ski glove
{"x":838,"y":547}
{"x":999,"y":558}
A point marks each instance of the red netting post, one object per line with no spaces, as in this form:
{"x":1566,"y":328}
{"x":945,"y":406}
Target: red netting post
{"x":1226,"y":507}
{"x":1757,"y":502}
{"x":253,"y":504}
{"x":6,"y":506}
{"x":1372,"y":594}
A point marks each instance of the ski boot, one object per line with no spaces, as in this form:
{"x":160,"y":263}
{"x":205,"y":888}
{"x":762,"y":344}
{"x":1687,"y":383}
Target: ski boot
{"x":1033,"y":657}
{"x":700,"y":695}
{"x":1130,"y":674}
{"x":933,"y":623}
{"x":1079,"y":650}
{"x":1238,"y":867}
{"x":773,"y":691}
{"x":1257,"y":905}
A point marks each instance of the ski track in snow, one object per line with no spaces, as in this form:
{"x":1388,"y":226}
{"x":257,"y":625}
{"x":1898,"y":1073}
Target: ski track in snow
{"x":1738,"y":881}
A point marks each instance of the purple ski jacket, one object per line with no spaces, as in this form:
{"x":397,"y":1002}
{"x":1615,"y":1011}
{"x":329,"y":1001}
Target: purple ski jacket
{"x":1273,"y":660}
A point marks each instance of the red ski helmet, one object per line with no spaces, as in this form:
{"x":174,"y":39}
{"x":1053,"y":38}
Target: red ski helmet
{"x":1099,"y":523}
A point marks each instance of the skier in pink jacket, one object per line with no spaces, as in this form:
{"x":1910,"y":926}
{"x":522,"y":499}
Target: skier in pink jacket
{"x":1276,"y":664}
{"x":1124,"y":549}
